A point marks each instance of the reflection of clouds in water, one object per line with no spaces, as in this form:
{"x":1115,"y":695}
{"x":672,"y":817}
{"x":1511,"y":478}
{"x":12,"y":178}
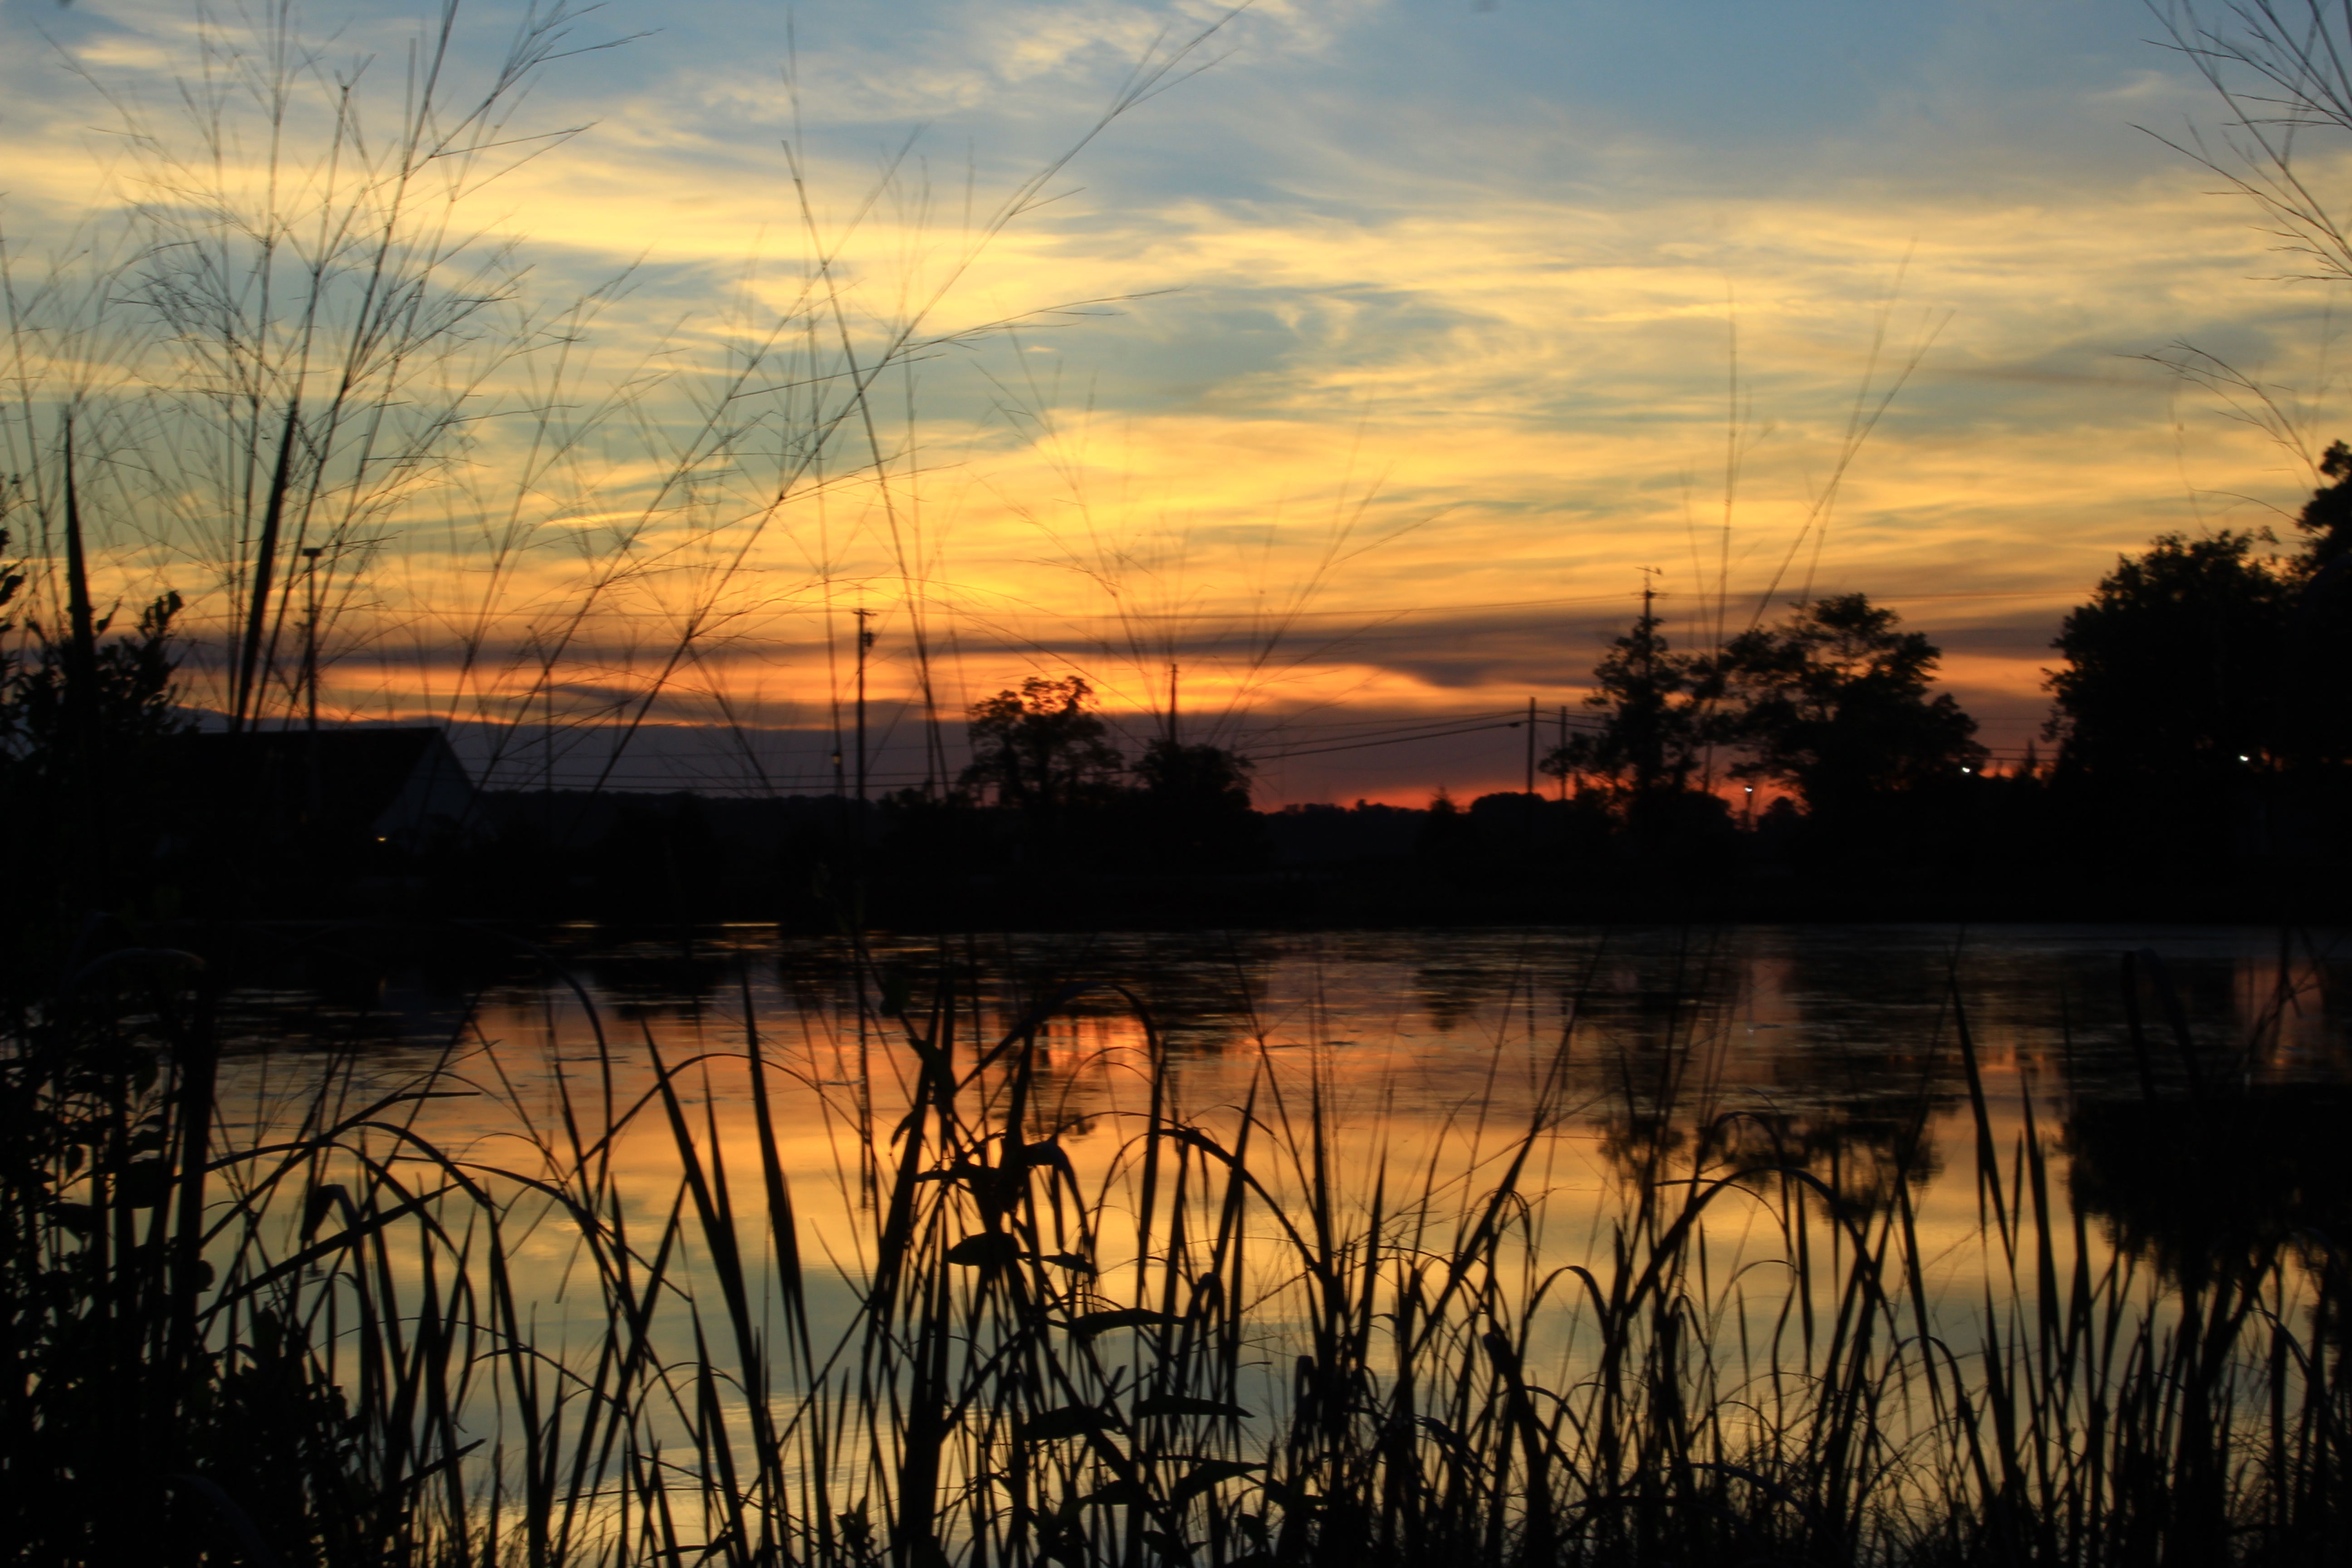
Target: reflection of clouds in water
{"x":1828,"y":1050}
{"x":1081,"y":1070}
{"x":1450,"y":995}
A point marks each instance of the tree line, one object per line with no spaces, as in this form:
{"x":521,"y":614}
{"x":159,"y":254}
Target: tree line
{"x":2196,"y":661}
{"x":2201,"y":742}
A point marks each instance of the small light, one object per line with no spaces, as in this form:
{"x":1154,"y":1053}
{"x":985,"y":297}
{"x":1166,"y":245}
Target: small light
{"x":379,"y":838}
{"x":1967,"y":770}
{"x":2244,"y":758}
{"x":1751,"y":789}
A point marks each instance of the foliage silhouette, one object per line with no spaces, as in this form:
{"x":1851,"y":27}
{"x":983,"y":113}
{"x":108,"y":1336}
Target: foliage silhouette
{"x":2172,"y":669}
{"x":84,"y":719}
{"x":1041,"y":750}
{"x":1193,"y":799}
{"x":2325,"y":520}
{"x":1654,"y":728}
{"x":332,"y":1326}
{"x":1833,"y":702}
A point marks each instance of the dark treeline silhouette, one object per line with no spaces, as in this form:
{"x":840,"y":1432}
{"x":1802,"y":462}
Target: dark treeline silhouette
{"x":2201,"y":766}
{"x":2202,"y":716}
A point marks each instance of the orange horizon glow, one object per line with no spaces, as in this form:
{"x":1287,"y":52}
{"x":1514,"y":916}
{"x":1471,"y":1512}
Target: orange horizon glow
{"x":1370,"y":438}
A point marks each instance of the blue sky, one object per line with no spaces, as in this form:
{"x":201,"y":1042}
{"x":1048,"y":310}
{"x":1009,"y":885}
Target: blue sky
{"x":1430,"y":325}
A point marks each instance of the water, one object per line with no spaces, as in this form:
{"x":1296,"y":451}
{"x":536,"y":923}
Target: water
{"x":1949,"y":1103}
{"x":1831,"y":1049}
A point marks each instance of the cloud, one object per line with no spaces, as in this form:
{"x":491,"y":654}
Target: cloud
{"x":1415,"y":337}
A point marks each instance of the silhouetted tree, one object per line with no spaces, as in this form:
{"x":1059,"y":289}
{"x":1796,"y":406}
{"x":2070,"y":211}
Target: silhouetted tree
{"x":1653,"y":727}
{"x":1199,"y":775}
{"x":2202,"y":705}
{"x":2314,"y":733}
{"x":2326,"y":520}
{"x":84,"y":718}
{"x":1194,"y":803}
{"x":96,"y":712}
{"x":2173,"y":669}
{"x":1040,"y":749}
{"x":1833,"y":702}
{"x":1445,"y":831}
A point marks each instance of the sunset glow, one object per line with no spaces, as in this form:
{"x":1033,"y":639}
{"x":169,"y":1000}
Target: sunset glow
{"x":1358,"y":376}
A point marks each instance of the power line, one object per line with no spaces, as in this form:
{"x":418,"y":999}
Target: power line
{"x":1241,"y":618}
{"x":723,"y":768}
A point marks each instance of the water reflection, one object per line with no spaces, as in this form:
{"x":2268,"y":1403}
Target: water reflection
{"x":1392,"y":1080}
{"x":1829,"y":1051}
{"x":2217,"y":1187}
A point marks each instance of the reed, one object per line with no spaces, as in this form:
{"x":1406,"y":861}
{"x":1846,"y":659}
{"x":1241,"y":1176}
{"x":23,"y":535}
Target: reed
{"x":1200,"y":1336}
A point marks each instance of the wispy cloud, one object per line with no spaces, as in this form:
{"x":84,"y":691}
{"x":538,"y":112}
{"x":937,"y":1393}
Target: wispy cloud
{"x":1400,"y":316}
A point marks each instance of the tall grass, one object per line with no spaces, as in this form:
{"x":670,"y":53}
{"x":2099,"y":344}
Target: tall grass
{"x":614,"y":1333}
{"x":291,"y":367}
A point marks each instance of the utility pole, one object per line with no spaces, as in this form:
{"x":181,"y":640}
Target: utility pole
{"x":1172,"y":704}
{"x":1650,"y":760}
{"x":832,"y":678}
{"x":547,"y":743}
{"x":311,"y":635}
{"x":1531,"y":746}
{"x":81,"y":643}
{"x":311,"y":554}
{"x":865,"y":641}
{"x":1564,"y":746}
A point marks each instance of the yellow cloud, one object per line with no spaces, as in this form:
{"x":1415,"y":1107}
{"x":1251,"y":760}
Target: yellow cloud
{"x":1323,"y":424}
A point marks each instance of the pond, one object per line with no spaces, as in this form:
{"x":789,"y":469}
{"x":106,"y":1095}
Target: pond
{"x":1001,"y":1237}
{"x":1832,"y":1049}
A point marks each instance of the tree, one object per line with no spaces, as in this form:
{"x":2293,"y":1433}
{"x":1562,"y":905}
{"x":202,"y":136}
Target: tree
{"x":1193,"y":807}
{"x":1653,"y":730}
{"x":1200,"y":776}
{"x":85,"y":720}
{"x":2315,"y":732}
{"x":2326,"y":520}
{"x":1833,"y":702}
{"x":2173,"y":669}
{"x":98,"y":717}
{"x":1039,"y":749}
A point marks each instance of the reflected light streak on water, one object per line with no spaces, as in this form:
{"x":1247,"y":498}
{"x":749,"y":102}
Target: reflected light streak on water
{"x":1822,"y":1044}
{"x":1829,"y":1051}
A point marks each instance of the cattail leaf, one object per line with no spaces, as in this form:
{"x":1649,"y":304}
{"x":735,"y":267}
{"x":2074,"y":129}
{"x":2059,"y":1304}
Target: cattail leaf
{"x":1210,"y":1473}
{"x":1069,"y":1421}
{"x":143,"y":1183}
{"x":1091,"y":1323}
{"x":1185,"y":1405}
{"x":1128,"y":1492}
{"x":1289,"y":1497}
{"x":987,"y":1249}
{"x":1168,"y":1546}
{"x":317,"y":1205}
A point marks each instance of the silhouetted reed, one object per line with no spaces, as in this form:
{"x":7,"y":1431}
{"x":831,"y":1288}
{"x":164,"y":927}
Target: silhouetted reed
{"x":1223,"y":1336}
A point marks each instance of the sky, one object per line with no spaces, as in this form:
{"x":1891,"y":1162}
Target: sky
{"x":1366,"y":369}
